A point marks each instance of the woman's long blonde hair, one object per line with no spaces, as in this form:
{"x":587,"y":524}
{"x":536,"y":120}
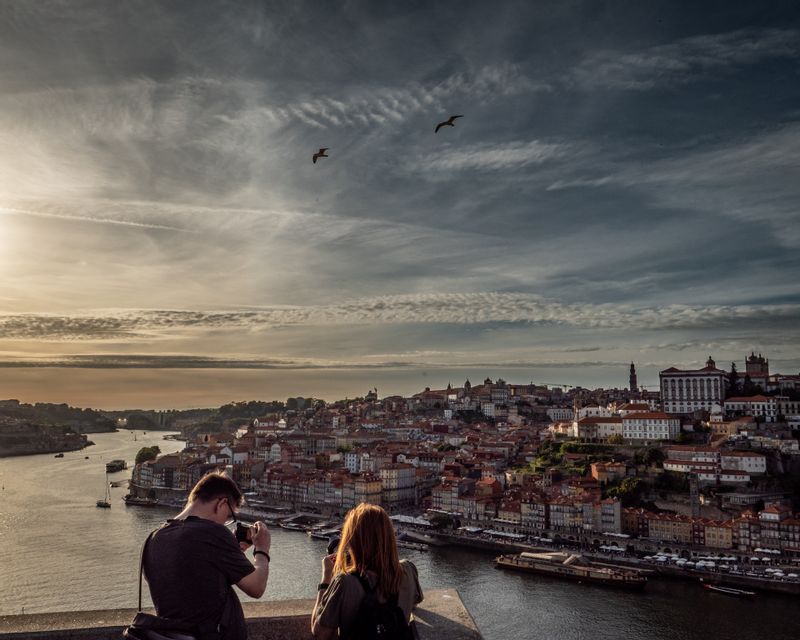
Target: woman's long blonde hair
{"x":368,"y":543}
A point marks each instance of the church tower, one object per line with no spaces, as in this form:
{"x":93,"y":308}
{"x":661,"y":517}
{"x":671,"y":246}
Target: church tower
{"x":632,"y":378}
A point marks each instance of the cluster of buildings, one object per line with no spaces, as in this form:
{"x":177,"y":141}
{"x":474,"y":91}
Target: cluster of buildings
{"x":472,"y":453}
{"x":689,"y":391}
{"x":775,"y":530}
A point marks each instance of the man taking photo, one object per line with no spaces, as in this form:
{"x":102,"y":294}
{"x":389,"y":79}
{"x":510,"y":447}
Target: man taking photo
{"x":193,"y":560}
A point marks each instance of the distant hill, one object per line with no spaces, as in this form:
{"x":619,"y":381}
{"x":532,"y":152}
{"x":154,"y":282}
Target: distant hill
{"x":62,"y":415}
{"x":19,"y":438}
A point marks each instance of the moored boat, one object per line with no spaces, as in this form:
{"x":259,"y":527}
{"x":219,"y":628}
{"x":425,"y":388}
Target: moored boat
{"x":729,"y":591}
{"x":324,"y":534}
{"x":116,"y":465}
{"x":140,"y":502}
{"x":571,"y":567}
{"x":417,"y":546}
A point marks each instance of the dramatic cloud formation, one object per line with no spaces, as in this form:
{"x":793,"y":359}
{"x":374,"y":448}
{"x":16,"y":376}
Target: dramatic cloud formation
{"x":455,"y":309}
{"x":622,"y":185}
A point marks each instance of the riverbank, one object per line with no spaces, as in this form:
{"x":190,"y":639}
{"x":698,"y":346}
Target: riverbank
{"x":41,"y":442}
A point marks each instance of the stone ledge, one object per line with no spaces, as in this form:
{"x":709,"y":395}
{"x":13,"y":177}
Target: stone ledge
{"x":441,"y":615}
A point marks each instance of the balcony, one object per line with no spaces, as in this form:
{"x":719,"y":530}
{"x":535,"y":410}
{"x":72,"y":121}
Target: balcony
{"x":441,"y":615}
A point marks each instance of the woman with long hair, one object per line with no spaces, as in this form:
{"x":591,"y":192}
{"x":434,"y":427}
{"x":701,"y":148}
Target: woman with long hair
{"x":365,"y":567}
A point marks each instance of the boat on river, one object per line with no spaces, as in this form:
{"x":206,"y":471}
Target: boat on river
{"x":133,"y":501}
{"x":105,"y":503}
{"x":417,"y":546}
{"x":116,"y":465}
{"x":729,"y":591}
{"x":59,"y":455}
{"x":573,"y":567}
{"x":325,"y":534}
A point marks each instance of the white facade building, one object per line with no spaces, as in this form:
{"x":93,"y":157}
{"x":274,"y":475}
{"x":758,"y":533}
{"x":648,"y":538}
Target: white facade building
{"x":756,"y":406}
{"x":743,"y":461}
{"x":685,"y":391}
{"x":560,"y":414}
{"x":594,"y":412}
{"x":653,"y":425}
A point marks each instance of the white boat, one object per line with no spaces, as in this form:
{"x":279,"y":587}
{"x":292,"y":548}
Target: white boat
{"x":729,"y":591}
{"x":324,"y":534}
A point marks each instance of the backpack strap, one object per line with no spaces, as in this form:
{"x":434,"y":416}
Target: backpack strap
{"x":369,"y":590}
{"x":364,"y":582}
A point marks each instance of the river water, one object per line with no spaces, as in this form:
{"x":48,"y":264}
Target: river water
{"x":58,"y":552}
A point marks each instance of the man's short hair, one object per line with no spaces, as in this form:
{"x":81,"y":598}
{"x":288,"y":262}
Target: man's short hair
{"x":216,"y":485}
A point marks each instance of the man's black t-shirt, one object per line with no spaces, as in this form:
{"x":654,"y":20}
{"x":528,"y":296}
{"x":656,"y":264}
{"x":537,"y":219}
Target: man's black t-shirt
{"x":190,"y":566}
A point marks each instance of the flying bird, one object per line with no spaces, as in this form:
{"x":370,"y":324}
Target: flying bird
{"x":320,"y":154}
{"x":450,"y":122}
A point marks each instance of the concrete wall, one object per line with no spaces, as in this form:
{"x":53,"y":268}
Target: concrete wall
{"x":441,"y":615}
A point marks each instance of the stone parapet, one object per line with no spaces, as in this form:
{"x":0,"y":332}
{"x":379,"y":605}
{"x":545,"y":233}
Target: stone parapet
{"x":441,"y":615}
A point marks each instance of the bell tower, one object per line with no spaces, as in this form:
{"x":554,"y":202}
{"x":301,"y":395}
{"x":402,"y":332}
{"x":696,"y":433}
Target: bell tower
{"x":632,"y":378}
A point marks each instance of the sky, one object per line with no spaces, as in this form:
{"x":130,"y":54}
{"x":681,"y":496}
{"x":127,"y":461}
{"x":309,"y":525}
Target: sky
{"x":623,"y":187}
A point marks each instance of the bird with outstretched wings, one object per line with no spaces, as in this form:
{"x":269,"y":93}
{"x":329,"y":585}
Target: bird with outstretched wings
{"x":450,"y":122}
{"x":319,"y":154}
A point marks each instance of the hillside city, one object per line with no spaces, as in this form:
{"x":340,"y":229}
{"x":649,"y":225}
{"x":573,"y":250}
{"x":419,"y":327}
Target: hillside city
{"x":711,"y":461}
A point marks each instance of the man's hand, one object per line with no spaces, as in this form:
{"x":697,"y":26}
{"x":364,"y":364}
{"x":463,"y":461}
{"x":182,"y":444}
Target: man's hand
{"x":254,"y":584}
{"x":260,"y":536}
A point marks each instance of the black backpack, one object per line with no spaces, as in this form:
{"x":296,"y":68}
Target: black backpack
{"x":377,"y":620}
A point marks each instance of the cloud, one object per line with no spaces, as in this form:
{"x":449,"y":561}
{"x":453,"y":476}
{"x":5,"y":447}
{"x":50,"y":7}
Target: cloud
{"x":685,"y":60}
{"x":384,"y":105}
{"x":495,"y":156}
{"x":458,"y":309}
{"x":743,"y":179}
{"x":92,"y":219}
{"x":137,"y":361}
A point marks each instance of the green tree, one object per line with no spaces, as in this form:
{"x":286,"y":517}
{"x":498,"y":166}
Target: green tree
{"x":147,"y":453}
{"x":629,"y":491}
{"x":616,"y":439}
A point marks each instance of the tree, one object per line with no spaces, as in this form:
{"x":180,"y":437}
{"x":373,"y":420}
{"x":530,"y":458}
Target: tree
{"x":748,"y":388}
{"x":147,"y":453}
{"x":733,"y":381}
{"x":629,"y":491}
{"x":654,"y":457}
{"x":616,"y":439}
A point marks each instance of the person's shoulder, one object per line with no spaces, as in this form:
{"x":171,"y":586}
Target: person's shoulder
{"x":348,"y":583}
{"x":208,"y":528}
{"x":408,"y":567}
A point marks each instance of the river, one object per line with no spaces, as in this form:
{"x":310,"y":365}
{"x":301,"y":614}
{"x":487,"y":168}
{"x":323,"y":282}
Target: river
{"x":59,"y":552}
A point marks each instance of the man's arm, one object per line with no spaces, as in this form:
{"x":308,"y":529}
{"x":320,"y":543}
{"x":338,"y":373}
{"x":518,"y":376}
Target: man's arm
{"x":254,"y":584}
{"x":319,"y":631}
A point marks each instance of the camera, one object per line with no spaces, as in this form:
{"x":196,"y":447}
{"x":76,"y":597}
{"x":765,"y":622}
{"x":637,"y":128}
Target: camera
{"x":243,"y":532}
{"x":333,"y":544}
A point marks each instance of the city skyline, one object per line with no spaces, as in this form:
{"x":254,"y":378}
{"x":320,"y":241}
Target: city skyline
{"x":622,"y":187}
